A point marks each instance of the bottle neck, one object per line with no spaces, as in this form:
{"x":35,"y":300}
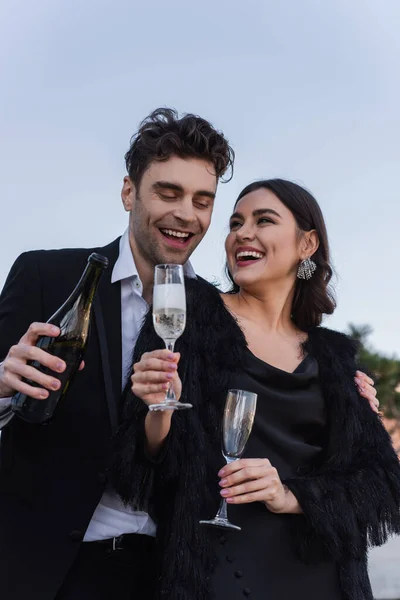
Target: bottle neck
{"x":87,"y":285}
{"x":80,"y":301}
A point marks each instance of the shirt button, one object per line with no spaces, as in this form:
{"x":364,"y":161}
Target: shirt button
{"x":101,"y":478}
{"x":238,"y":574}
{"x":246,"y":592}
{"x":222,"y":540}
{"x":76,"y":536}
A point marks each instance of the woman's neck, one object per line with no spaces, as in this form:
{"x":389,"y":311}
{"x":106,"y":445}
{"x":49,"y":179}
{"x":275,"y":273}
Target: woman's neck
{"x":271,"y":308}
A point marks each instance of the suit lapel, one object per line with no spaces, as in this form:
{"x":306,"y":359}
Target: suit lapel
{"x":107,"y":311}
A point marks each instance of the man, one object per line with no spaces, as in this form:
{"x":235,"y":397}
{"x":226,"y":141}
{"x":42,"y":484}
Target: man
{"x":64,"y":534}
{"x":53,"y":479}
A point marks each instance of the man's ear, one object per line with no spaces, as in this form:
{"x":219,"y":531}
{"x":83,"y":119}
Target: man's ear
{"x":128,"y":193}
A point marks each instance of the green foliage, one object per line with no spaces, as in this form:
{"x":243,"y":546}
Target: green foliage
{"x":384,"y":369}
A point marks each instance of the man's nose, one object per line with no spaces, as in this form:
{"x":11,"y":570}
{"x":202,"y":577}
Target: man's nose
{"x":184,"y":211}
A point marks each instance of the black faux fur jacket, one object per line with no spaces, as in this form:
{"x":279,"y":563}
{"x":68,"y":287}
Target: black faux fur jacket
{"x":350,"y":500}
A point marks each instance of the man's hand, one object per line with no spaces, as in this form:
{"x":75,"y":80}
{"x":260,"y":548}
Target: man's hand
{"x":367,"y":390}
{"x":15,"y":366}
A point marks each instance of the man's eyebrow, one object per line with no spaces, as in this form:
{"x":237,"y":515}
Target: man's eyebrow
{"x":168,"y":185}
{"x":205,"y":193}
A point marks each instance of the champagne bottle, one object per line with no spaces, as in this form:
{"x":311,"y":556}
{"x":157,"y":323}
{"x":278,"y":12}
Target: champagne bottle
{"x":73,"y":319}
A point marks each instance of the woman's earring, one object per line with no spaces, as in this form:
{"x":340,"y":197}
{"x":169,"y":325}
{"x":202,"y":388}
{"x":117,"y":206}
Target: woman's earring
{"x":306,"y":269}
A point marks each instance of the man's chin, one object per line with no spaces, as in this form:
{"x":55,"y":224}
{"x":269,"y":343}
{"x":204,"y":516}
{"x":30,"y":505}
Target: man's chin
{"x":176,"y":255}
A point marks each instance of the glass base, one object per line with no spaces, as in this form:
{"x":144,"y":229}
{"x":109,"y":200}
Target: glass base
{"x":223,"y":523}
{"x":169,"y":406}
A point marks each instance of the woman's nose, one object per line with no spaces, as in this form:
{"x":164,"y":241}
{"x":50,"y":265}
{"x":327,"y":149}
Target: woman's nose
{"x":245,"y":233}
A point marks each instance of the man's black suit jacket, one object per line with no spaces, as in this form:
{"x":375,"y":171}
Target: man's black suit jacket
{"x":53,"y":476}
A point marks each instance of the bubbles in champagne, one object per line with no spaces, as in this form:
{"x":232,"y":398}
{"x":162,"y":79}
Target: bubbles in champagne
{"x":169,"y":323}
{"x":169,"y":310}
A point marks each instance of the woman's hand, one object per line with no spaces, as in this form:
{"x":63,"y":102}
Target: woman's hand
{"x":153,"y":375}
{"x":256,"y":480}
{"x":366,"y":388}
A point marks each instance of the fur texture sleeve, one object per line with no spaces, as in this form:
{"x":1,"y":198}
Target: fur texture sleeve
{"x":352,"y":499}
{"x":133,"y":479}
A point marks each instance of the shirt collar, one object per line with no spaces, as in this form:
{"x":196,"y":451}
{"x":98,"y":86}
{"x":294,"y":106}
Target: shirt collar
{"x":125,"y":266}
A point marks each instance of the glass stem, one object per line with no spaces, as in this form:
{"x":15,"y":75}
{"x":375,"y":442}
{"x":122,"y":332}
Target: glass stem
{"x":223,"y":507}
{"x":170,"y":395}
{"x":222,"y":511}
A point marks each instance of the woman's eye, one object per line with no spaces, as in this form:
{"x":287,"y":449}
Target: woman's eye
{"x":234,"y":225}
{"x":264,"y":220}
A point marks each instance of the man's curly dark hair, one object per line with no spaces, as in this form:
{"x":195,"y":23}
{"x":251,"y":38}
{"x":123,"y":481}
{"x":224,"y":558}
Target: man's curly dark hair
{"x":163,"y":134}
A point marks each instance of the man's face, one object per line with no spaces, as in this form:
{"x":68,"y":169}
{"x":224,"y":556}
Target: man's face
{"x":171,"y":210}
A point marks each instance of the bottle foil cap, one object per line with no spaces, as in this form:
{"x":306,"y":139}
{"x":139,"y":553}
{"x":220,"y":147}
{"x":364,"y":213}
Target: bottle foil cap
{"x":99,"y":260}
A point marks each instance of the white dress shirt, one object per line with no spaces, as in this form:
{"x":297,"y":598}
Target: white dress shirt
{"x":111,"y":517}
{"x":5,"y":413}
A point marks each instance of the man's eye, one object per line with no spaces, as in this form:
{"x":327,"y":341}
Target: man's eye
{"x":168,"y":196}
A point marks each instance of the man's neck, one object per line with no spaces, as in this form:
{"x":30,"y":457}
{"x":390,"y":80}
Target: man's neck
{"x":145,"y":271}
{"x":147,"y":279}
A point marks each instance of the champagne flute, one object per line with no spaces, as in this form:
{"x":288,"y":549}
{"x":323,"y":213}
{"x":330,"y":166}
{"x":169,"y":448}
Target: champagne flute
{"x":169,"y":318}
{"x":240,"y":409}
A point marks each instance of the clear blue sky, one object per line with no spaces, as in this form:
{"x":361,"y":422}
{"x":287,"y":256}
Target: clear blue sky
{"x":305,"y":90}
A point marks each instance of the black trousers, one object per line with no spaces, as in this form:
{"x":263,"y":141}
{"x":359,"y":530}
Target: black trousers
{"x":101,"y":573}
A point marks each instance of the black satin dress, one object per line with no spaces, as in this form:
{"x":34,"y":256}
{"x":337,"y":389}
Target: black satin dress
{"x":259,"y":562}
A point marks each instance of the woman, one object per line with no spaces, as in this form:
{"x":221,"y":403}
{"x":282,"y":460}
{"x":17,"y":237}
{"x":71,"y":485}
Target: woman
{"x":319,"y":481}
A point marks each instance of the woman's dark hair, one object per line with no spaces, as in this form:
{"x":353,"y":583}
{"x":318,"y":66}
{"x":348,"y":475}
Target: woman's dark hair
{"x":163,"y":134}
{"x":313,"y":298}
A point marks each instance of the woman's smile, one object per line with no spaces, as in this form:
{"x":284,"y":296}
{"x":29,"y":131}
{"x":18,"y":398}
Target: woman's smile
{"x":246,"y":256}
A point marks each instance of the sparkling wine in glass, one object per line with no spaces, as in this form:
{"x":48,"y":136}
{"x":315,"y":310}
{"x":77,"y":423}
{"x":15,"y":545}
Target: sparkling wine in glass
{"x":240,"y":409}
{"x":169,"y":318}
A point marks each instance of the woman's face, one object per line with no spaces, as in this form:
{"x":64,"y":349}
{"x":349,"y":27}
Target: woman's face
{"x":264,"y":243}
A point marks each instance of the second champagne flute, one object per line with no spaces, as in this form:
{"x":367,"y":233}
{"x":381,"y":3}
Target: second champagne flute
{"x":169,"y":318}
{"x":237,"y":423}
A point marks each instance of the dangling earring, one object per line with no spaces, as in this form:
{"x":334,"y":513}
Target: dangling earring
{"x":306,"y":269}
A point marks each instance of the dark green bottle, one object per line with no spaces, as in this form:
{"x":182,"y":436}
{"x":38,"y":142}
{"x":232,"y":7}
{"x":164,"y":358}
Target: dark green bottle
{"x":73,"y":319}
